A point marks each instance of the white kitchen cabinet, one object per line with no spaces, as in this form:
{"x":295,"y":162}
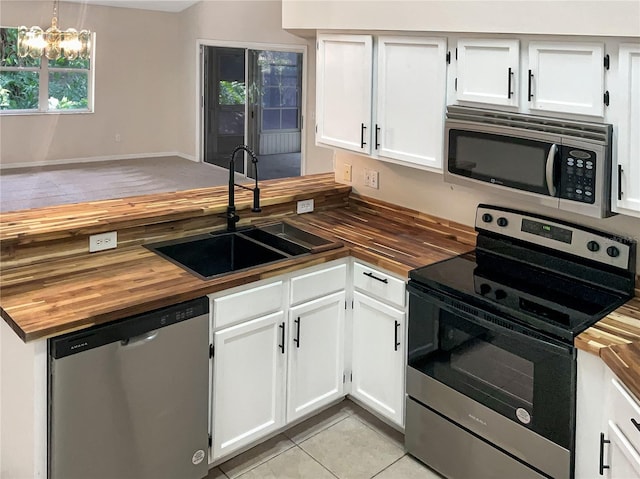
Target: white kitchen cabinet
{"x":590,"y":398}
{"x":278,"y":353}
{"x":622,"y":431}
{"x":488,"y":71}
{"x":410,"y":94}
{"x":315,"y":354}
{"x":607,"y":438}
{"x":624,"y":459}
{"x":566,"y":77}
{"x":378,"y":357}
{"x":407,"y":126}
{"x":343,"y":91}
{"x":248,"y":385}
{"x":378,"y":342}
{"x":626,"y":184}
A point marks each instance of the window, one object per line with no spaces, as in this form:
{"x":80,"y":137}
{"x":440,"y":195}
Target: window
{"x":280,"y":72}
{"x":29,"y":85}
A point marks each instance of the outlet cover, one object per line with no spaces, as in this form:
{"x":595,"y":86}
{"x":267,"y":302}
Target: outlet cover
{"x":103,"y":241}
{"x":373,"y":179}
{"x":346,"y":172}
{"x":305,"y":206}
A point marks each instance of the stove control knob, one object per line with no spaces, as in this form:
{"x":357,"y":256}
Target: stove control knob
{"x":500,"y":294}
{"x":502,"y":221}
{"x":613,"y":251}
{"x":485,"y":289}
{"x":487,"y":218}
{"x":593,"y":246}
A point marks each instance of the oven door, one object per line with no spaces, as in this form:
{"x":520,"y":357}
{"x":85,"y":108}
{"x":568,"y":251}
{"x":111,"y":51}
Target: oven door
{"x":511,"y":386}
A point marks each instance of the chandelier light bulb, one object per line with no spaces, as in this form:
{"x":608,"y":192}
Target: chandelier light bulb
{"x":54,"y":43}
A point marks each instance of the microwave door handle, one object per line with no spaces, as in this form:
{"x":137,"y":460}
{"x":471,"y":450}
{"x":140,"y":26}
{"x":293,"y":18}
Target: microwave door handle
{"x":550,"y":168}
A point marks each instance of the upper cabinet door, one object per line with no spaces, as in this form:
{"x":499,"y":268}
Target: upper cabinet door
{"x":344,"y":82}
{"x":628,"y":171}
{"x":411,"y":94}
{"x":566,"y":77}
{"x":488,"y":71}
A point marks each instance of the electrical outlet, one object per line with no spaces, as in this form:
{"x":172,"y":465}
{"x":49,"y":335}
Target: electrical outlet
{"x":103,"y":241}
{"x":373,"y":179}
{"x":346,"y":172}
{"x":305,"y":206}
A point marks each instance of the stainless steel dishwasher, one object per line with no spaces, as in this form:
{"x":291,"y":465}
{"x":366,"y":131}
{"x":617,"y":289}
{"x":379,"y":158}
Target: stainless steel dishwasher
{"x":128,"y":399}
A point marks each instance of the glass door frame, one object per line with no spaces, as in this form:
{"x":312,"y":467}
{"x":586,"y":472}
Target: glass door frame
{"x":199,"y":99}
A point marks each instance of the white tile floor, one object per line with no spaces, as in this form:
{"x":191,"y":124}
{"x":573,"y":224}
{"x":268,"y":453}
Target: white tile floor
{"x":344,"y":442}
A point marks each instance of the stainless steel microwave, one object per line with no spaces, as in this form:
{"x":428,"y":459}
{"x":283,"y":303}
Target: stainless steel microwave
{"x":562,"y":164}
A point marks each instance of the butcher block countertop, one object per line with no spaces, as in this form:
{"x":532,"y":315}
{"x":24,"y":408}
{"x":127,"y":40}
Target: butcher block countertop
{"x":616,"y":339}
{"x":64,"y":294}
{"x":61,"y":295}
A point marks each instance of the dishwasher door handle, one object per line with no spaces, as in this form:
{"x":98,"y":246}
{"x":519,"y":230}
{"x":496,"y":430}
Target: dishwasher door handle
{"x":140,"y":339}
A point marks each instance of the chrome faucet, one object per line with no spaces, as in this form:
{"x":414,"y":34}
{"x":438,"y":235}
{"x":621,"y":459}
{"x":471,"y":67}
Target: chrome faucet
{"x":232,"y":217}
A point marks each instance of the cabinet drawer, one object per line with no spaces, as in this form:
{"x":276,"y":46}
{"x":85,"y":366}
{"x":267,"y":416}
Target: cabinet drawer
{"x":626,"y":413}
{"x":376,"y":283}
{"x":318,"y":283}
{"x":247,"y":304}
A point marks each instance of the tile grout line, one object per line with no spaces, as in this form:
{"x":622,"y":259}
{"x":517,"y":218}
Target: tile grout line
{"x":374,"y":429}
{"x":321,"y":465}
{"x":293,"y":444}
{"x":385,"y":468}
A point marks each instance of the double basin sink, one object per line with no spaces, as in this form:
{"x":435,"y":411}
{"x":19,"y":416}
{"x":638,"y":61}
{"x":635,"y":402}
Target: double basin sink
{"x":214,"y":254}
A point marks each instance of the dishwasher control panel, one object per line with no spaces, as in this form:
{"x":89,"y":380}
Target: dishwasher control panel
{"x":128,"y":330}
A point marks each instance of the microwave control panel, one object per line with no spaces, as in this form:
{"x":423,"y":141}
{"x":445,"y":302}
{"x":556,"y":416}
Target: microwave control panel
{"x":577,"y":174}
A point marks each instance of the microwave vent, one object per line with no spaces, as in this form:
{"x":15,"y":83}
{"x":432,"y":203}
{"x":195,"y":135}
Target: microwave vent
{"x":580,"y":129}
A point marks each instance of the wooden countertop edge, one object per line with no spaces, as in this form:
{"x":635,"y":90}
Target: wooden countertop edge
{"x":107,"y":215}
{"x":193,"y":289}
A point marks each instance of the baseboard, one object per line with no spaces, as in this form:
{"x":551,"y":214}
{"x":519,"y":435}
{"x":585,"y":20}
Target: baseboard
{"x":92,"y":159}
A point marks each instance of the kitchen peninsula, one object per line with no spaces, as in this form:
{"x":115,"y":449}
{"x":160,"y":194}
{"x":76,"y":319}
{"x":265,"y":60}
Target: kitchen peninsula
{"x":51,"y":285}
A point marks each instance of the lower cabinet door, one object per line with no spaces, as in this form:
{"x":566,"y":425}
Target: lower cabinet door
{"x":316,"y":354}
{"x":624,"y":459}
{"x":248,"y":382}
{"x":378,"y":357}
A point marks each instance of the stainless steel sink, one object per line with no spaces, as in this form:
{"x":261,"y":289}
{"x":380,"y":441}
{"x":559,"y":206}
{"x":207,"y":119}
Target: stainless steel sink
{"x":215,"y":254}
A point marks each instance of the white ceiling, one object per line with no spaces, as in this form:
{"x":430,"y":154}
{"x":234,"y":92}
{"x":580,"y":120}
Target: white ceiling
{"x":161,"y":5}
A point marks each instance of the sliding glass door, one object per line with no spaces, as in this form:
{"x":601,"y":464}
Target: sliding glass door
{"x":253,"y":97}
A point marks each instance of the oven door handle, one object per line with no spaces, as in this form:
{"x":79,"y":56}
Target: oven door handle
{"x":550,"y":169}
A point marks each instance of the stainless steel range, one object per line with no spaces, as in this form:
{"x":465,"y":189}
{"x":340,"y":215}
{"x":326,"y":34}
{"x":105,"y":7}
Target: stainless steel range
{"x":491,"y":376}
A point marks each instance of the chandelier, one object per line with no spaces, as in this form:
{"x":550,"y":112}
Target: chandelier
{"x":54,"y":43}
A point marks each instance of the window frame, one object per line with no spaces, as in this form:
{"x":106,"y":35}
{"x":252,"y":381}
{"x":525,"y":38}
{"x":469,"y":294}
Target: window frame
{"x":43,"y":71}
{"x":282,"y":108}
{"x":199,"y":94}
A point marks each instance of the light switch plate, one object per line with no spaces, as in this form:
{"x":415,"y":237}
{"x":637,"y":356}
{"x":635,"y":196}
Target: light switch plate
{"x":371,"y":178}
{"x":103,"y":241}
{"x":305,"y":206}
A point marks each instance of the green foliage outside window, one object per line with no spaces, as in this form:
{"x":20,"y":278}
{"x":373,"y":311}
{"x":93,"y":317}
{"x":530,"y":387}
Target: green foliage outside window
{"x":231,"y":93}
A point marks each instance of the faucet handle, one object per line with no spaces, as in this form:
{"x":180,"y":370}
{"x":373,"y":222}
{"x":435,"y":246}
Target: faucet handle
{"x":256,"y":200}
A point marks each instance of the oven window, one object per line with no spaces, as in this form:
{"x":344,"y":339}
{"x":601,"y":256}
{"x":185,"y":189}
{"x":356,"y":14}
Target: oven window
{"x":496,"y":368}
{"x":514,"y":162}
{"x":495,"y":364}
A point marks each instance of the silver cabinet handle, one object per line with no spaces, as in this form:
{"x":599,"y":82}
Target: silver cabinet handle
{"x":550,"y":167}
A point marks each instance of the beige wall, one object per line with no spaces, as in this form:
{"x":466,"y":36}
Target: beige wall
{"x":135,"y":88}
{"x":427,"y":192}
{"x":556,"y":17}
{"x":145,"y":83}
